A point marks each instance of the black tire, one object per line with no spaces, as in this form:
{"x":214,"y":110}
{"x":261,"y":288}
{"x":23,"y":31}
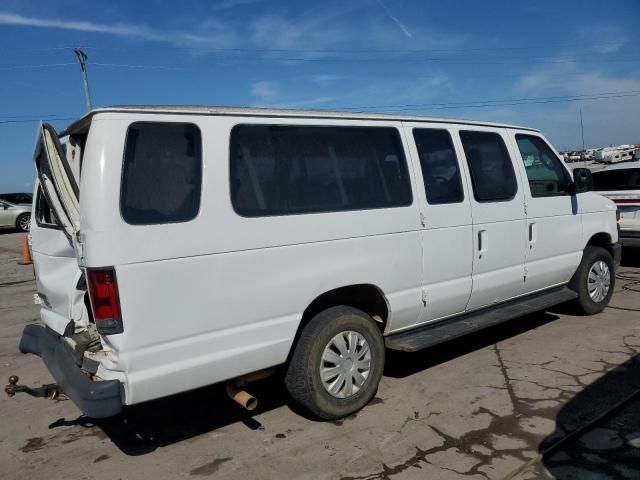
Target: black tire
{"x":22,"y":222}
{"x":579,"y":282}
{"x":303,"y":380}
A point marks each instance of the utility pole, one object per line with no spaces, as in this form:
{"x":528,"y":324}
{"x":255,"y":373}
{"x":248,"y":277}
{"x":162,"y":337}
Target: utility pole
{"x":82,"y":57}
{"x":582,"y":129}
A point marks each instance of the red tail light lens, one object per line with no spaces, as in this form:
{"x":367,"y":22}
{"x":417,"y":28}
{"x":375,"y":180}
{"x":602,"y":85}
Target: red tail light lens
{"x":103,"y":293}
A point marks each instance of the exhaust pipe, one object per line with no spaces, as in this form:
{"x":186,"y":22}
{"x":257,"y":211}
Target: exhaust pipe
{"x":241,"y":397}
{"x":236,"y":392}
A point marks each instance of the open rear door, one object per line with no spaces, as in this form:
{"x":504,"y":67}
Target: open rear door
{"x":54,"y":227}
{"x":57,"y":181}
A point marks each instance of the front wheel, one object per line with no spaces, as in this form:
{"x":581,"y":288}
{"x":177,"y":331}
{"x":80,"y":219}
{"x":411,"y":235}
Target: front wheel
{"x":594,"y":280}
{"x":336,"y":364}
{"x":23,"y":222}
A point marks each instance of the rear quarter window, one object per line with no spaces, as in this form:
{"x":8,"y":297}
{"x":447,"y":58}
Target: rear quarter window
{"x":162,"y":173}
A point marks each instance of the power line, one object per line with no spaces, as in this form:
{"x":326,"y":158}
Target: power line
{"x":35,"y":120}
{"x":512,"y":100}
{"x":439,"y":60}
{"x":42,"y":65}
{"x":345,"y":50}
{"x":507,"y":104}
{"x":435,"y":106}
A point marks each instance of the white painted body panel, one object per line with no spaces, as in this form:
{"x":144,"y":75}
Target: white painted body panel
{"x":57,"y":273}
{"x":553,"y":230}
{"x":598,"y":216}
{"x":446,"y":242}
{"x":498,"y":268}
{"x":223,"y":295}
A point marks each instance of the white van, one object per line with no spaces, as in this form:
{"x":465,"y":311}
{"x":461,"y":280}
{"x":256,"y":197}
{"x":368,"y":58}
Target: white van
{"x":177,"y":247}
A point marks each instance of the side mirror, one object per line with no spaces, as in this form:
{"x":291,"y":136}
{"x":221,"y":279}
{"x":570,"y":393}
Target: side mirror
{"x":582,"y":180}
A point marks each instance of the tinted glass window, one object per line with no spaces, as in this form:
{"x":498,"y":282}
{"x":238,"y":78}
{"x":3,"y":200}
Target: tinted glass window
{"x":162,"y":173}
{"x":280,"y":170}
{"x":44,"y":214}
{"x":440,"y":172}
{"x":625,"y":179}
{"x":546,"y":175}
{"x":491,"y":169}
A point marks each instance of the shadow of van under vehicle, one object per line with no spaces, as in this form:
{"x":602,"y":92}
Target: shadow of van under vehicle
{"x":143,"y":428}
{"x":610,"y":446}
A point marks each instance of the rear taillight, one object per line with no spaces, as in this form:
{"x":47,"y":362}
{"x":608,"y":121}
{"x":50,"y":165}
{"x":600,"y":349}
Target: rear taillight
{"x":617,"y":215}
{"x":103,"y":293}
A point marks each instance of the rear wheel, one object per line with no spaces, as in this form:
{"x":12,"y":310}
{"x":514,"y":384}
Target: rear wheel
{"x":23,"y":222}
{"x":336,"y":364}
{"x":594,"y":280}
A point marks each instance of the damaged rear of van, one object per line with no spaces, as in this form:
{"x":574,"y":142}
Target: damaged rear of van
{"x":179,"y":247}
{"x":116,"y":201}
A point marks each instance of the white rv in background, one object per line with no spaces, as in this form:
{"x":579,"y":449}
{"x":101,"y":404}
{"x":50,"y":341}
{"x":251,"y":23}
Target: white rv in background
{"x":621,"y":153}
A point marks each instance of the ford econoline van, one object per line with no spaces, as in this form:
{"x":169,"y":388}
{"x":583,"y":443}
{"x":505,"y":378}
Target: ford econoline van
{"x":177,"y":247}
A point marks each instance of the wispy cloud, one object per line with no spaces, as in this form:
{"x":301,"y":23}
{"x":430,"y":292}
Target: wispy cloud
{"x":312,"y":34}
{"x":209,"y":34}
{"x":322,"y":79}
{"x":395,"y":20}
{"x":229,"y":4}
{"x":610,"y":38}
{"x":308,"y":102}
{"x":265,"y":91}
{"x":120,"y":29}
{"x":272,"y":94}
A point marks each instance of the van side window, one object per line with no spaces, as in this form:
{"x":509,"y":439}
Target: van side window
{"x":162,"y":173}
{"x":44,"y":214}
{"x":440,"y":171}
{"x":492,"y":173}
{"x":284,"y":170}
{"x":547,"y":177}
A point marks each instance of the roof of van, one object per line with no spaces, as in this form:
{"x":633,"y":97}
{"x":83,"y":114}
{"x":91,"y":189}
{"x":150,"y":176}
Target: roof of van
{"x":279,"y":113}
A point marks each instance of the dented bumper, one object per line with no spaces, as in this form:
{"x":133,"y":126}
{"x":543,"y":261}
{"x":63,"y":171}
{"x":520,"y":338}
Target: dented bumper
{"x":96,"y":399}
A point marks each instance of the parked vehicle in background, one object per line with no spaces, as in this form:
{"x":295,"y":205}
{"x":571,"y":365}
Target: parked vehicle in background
{"x":621,"y":183}
{"x":15,"y":216}
{"x":203,"y":245}
{"x":17,"y":198}
{"x":622,"y":153}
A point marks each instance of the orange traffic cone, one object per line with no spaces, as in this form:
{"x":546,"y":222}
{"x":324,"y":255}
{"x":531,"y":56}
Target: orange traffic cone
{"x":26,"y":253}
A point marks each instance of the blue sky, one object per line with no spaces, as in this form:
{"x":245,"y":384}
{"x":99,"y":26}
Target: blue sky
{"x":521,"y":60}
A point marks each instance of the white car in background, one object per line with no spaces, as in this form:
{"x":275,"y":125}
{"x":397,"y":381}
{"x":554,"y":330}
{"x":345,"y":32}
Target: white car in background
{"x":621,"y":183}
{"x":15,"y":216}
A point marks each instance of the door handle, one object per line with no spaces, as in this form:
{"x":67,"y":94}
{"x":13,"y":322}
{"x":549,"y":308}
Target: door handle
{"x":483,"y":241}
{"x":533,"y":234}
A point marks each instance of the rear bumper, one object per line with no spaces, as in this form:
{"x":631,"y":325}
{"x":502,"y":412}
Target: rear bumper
{"x":96,"y":399}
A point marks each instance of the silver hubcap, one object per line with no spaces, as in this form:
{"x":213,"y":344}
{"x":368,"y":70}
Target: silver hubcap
{"x":24,"y":222}
{"x":346,"y":363}
{"x":598,"y":281}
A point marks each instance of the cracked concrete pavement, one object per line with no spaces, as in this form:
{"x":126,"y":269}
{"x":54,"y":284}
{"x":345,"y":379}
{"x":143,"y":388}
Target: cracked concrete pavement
{"x":475,"y":408}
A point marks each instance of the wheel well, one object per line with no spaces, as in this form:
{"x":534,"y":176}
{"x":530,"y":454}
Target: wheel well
{"x":365,"y":297}
{"x":601,"y":240}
